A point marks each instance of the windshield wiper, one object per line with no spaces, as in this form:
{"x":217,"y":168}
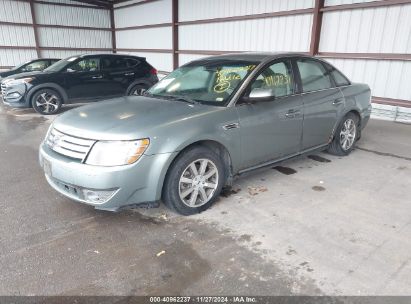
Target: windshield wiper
{"x":185,"y":99}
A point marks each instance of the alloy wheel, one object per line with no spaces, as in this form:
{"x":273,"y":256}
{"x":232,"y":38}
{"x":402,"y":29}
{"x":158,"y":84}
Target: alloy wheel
{"x":347,"y":134}
{"x":47,"y":103}
{"x":138,"y":92}
{"x":198,"y":182}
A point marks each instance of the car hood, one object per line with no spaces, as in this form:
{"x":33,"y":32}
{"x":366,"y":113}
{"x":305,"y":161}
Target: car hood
{"x":127,"y":118}
{"x":23,"y":75}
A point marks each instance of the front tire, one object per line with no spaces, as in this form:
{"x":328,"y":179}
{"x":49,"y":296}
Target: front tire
{"x":345,"y":136}
{"x":194,"y":181}
{"x":46,"y":101}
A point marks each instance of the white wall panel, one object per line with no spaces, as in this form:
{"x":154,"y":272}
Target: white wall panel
{"x":64,"y":53}
{"x":15,"y":57}
{"x":15,"y":11}
{"x":339,"y":2}
{"x":152,"y":38}
{"x":200,"y":9}
{"x":387,"y":78}
{"x":74,"y":38}
{"x":186,"y":58}
{"x":76,"y":16}
{"x":270,"y":34}
{"x":160,"y":61}
{"x":127,"y":3}
{"x":150,"y":13}
{"x":373,"y":30}
{"x":70,"y":2}
{"x":17,"y":35}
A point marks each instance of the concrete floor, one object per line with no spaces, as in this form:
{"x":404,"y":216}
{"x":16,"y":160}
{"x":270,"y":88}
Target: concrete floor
{"x":320,"y":225}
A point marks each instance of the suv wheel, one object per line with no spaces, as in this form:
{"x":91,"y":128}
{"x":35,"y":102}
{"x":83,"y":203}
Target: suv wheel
{"x":345,"y":136}
{"x":194,"y":181}
{"x":46,"y":101}
{"x":137,"y":90}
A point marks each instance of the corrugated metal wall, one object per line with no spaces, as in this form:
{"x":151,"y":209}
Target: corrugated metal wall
{"x":157,"y":38}
{"x":51,"y":39}
{"x":15,"y":35}
{"x":372,"y":30}
{"x":74,"y":16}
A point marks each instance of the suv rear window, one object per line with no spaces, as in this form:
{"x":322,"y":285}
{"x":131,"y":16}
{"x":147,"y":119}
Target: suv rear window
{"x":131,"y":62}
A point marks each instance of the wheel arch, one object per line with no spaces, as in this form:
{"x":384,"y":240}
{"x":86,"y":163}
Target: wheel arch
{"x":213,"y":145}
{"x":352,"y":110}
{"x":51,"y":86}
{"x":138,"y":82}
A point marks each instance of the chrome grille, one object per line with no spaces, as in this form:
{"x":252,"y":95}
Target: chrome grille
{"x":68,"y":145}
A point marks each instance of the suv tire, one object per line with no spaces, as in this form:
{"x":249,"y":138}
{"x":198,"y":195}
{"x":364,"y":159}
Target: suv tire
{"x":46,"y":101}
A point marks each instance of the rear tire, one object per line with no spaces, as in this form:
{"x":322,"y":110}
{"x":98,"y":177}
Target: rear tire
{"x":194,"y":181}
{"x":46,"y":101}
{"x":137,"y":90}
{"x":345,"y":136}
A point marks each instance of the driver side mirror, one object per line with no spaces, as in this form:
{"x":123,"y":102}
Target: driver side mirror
{"x":259,"y":95}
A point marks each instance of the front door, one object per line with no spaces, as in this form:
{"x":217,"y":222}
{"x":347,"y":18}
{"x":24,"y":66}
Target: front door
{"x":322,"y":102}
{"x":84,"y":79}
{"x":271,"y":129}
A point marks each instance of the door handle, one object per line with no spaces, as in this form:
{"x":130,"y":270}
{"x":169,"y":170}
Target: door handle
{"x":128,"y":74}
{"x":97,"y":77}
{"x":337,"y":101}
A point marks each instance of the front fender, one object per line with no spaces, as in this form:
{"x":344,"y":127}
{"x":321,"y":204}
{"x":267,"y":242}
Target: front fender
{"x":50,"y":85}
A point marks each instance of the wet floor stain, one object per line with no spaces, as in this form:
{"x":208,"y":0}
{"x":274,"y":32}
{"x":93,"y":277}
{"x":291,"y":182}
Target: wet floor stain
{"x":318,"y":188}
{"x":245,"y":238}
{"x":285,"y":170}
{"x":226,"y":192}
{"x":319,"y":158}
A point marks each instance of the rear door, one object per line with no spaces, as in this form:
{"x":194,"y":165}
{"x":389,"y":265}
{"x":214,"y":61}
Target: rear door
{"x":322,"y":101}
{"x":118,"y":73}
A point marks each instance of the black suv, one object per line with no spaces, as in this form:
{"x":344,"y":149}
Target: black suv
{"x":79,"y":79}
{"x":30,"y":66}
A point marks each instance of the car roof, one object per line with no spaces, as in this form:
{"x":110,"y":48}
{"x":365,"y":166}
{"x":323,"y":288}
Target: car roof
{"x":254,"y":56}
{"x":107,"y":54}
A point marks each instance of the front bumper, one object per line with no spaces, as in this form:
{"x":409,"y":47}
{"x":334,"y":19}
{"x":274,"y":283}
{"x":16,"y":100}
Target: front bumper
{"x":14,"y":96}
{"x":127,"y":185}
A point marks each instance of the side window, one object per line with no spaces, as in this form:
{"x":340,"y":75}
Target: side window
{"x":277,"y":77}
{"x":85,"y":65}
{"x":314,"y":76}
{"x":132,"y":63}
{"x":114,"y":63}
{"x":53,"y":61}
{"x":340,"y":79}
{"x":39,"y":65}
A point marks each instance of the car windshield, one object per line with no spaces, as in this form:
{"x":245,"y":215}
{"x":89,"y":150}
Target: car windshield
{"x":60,"y":65}
{"x":206,"y":82}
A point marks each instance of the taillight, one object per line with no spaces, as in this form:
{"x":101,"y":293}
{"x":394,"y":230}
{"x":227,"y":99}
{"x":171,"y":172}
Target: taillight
{"x":153,"y":71}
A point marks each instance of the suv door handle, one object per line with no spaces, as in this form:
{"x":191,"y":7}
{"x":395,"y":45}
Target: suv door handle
{"x":97,"y":77}
{"x":128,"y":74}
{"x":337,"y":101}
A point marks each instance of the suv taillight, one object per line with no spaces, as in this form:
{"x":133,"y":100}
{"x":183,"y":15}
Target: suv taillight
{"x":153,"y":71}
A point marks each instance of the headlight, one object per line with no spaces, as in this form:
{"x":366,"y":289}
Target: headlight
{"x":117,"y":153}
{"x":12,"y":82}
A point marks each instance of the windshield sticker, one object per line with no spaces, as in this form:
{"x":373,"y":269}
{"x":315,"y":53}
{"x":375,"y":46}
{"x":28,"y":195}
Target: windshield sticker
{"x":226,"y":77}
{"x":277,"y":80}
